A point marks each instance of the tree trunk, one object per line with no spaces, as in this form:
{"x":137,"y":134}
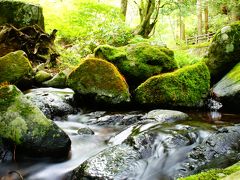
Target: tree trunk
{"x":206,"y":17}
{"x":148,"y":18}
{"x":124,"y":4}
{"x":199,"y":15}
{"x":182,"y":29}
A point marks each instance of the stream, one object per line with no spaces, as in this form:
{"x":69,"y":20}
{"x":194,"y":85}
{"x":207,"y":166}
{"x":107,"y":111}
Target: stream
{"x":157,"y":164}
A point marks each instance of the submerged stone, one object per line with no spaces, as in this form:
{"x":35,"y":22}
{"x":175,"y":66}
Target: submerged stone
{"x":186,"y":87}
{"x":100,"y":80}
{"x":224,"y":51}
{"x":23,"y":124}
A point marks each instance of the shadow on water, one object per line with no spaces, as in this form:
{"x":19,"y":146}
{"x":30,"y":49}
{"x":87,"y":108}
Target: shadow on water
{"x":160,"y":163}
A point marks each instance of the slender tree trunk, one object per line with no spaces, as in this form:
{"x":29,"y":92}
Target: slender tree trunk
{"x":124,"y":5}
{"x":182,"y":29}
{"x":199,"y":15}
{"x":148,"y":18}
{"x":206,"y":17}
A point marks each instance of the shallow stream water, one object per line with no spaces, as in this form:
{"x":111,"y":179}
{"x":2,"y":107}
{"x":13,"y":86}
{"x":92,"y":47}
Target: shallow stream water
{"x":85,"y":146}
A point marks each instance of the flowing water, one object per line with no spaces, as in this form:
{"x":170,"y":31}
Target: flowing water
{"x":85,"y":146}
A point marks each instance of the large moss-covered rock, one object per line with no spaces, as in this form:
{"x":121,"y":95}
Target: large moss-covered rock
{"x":14,"y":67}
{"x":20,"y":14}
{"x":186,"y":87}
{"x":224,"y":51}
{"x":100,"y":79}
{"x":227,"y":90}
{"x":137,"y":62}
{"x":24,"y":124}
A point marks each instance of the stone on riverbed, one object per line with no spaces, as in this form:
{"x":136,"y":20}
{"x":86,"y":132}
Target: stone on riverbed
{"x":99,"y":80}
{"x":23,"y":124}
{"x":219,"y":150}
{"x":106,"y":164}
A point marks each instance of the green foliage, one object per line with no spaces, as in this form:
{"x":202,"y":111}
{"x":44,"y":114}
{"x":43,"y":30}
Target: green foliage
{"x":83,"y":25}
{"x":184,"y":58}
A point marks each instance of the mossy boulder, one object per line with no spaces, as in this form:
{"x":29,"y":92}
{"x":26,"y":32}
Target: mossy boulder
{"x":20,"y":14}
{"x":186,"y":87}
{"x":227,"y":90}
{"x":14,"y":67}
{"x":137,"y":62}
{"x":42,"y":76}
{"x":224,"y":51}
{"x":59,"y":80}
{"x":101,"y":80}
{"x":23,"y":124}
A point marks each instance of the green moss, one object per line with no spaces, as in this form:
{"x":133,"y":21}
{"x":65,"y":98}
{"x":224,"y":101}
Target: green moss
{"x":14,"y":66}
{"x":110,"y":53}
{"x":137,"y":62}
{"x":42,"y":76}
{"x":99,"y":77}
{"x":224,"y":51}
{"x":20,"y":119}
{"x":185,"y":87}
{"x":234,"y":74}
{"x":214,"y":174}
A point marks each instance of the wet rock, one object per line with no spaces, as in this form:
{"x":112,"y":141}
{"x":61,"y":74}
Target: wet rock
{"x":85,"y":131}
{"x":52,"y":102}
{"x":219,"y":150}
{"x":20,"y":14}
{"x":6,"y":154}
{"x":139,"y":61}
{"x":224,"y":51}
{"x":102,"y":118}
{"x":106,"y":164}
{"x":24,"y":125}
{"x":227,"y":90}
{"x":99,"y":81}
{"x":186,"y":87}
{"x":14,"y":67}
{"x":161,"y":115}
